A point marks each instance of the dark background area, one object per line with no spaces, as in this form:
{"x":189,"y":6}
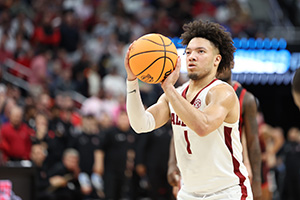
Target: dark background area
{"x":277,"y":105}
{"x":276,"y":101}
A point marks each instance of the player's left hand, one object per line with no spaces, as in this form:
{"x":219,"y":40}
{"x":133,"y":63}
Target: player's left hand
{"x":130,"y":75}
{"x":173,"y":77}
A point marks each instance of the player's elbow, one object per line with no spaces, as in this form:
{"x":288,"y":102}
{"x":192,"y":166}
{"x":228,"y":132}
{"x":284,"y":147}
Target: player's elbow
{"x":142,"y":123}
{"x":138,"y":130}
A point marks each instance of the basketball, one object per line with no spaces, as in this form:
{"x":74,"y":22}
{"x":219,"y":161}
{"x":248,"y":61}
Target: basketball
{"x":152,"y":58}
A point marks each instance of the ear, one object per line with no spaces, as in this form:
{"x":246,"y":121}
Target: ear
{"x":217,"y":60}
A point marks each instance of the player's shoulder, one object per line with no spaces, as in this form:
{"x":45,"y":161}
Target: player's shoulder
{"x":221,"y":85}
{"x":222,"y":90}
{"x":249,"y":98}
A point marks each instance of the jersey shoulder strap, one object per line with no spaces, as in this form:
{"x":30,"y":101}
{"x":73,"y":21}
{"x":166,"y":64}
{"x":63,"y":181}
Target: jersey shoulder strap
{"x":239,"y":90}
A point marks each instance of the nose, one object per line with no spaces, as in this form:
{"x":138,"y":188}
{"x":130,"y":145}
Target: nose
{"x":192,"y":56}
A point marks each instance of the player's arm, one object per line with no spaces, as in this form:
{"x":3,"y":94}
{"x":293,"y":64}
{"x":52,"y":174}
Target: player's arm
{"x":220,"y":100}
{"x":251,"y":133}
{"x":142,"y":120}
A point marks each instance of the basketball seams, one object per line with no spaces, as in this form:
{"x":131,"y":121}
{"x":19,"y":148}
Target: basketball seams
{"x":149,"y":66}
{"x":170,"y":44}
{"x":173,"y":65}
{"x":164,"y":65}
{"x":152,"y":51}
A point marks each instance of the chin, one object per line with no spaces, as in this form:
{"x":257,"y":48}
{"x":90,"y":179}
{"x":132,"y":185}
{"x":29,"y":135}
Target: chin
{"x":193,"y":76}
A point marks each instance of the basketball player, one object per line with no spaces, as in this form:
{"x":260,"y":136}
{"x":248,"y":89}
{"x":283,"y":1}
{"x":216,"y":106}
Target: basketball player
{"x":296,"y":88}
{"x":249,"y":132}
{"x":204,"y":115}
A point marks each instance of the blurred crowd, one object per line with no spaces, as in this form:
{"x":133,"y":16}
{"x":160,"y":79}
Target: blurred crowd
{"x":87,"y":150}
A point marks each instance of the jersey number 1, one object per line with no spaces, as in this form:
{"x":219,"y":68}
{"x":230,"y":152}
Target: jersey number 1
{"x":188,"y":147}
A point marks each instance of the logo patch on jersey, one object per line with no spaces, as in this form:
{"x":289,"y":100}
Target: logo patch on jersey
{"x":197,"y":103}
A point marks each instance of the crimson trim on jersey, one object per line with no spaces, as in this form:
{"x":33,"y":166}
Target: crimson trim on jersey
{"x":236,"y":164}
{"x":186,"y":89}
{"x":188,"y":147}
{"x":240,"y":95}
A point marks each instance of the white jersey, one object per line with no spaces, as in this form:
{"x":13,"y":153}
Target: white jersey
{"x":211,"y":163}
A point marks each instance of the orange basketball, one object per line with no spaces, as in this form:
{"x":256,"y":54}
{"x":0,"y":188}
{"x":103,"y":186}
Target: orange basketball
{"x":152,"y":58}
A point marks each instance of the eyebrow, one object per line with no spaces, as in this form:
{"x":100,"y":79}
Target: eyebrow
{"x":197,"y":48}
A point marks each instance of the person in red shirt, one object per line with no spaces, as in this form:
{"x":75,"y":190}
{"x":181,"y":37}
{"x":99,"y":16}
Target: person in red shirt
{"x":46,"y":33}
{"x":15,"y":140}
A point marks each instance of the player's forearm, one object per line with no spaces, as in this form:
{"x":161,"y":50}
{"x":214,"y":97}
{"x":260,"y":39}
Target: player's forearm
{"x":192,"y":117}
{"x":140,"y":120}
{"x":255,"y":157}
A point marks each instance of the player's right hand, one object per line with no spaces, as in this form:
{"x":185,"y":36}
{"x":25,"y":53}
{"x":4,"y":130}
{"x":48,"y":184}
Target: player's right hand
{"x":130,"y":75}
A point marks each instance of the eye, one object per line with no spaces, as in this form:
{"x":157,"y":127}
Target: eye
{"x":187,"y":53}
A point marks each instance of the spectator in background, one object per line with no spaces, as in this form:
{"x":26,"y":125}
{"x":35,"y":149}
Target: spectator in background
{"x":52,"y":136}
{"x":43,"y":103}
{"x":271,"y":140}
{"x":78,"y":74}
{"x":152,"y":153}
{"x":15,"y":141}
{"x":29,"y":115}
{"x":5,"y":54}
{"x":61,"y":130}
{"x":86,"y":144}
{"x":68,"y":112}
{"x":296,"y":88}
{"x":94,"y":80}
{"x":290,"y":154}
{"x":70,"y":36}
{"x":22,"y":23}
{"x":41,"y":128}
{"x":5,"y":111}
{"x":64,"y":82}
{"x":46,"y":34}
{"x":22,"y":54}
{"x":117,"y":149}
{"x":114,"y":84}
{"x":38,"y":80}
{"x":37,"y":157}
{"x":63,"y":177}
{"x":14,"y":93}
{"x":46,"y":138}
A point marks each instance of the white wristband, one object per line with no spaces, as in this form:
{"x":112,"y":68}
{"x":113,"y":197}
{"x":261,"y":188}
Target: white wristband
{"x":140,"y":120}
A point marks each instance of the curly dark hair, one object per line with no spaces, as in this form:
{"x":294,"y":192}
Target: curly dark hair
{"x":215,"y":33}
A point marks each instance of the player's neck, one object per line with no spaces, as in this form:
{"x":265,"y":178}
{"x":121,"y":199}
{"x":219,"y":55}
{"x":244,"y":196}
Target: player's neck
{"x":196,"y":85}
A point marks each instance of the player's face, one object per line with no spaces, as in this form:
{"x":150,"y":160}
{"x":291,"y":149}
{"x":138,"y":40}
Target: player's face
{"x":202,"y":58}
{"x":296,"y":97}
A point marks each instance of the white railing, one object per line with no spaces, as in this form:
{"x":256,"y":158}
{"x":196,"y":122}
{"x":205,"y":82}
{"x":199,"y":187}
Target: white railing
{"x":25,"y":72}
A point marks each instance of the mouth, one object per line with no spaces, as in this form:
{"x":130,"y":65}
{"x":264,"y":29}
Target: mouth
{"x":191,"y":65}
